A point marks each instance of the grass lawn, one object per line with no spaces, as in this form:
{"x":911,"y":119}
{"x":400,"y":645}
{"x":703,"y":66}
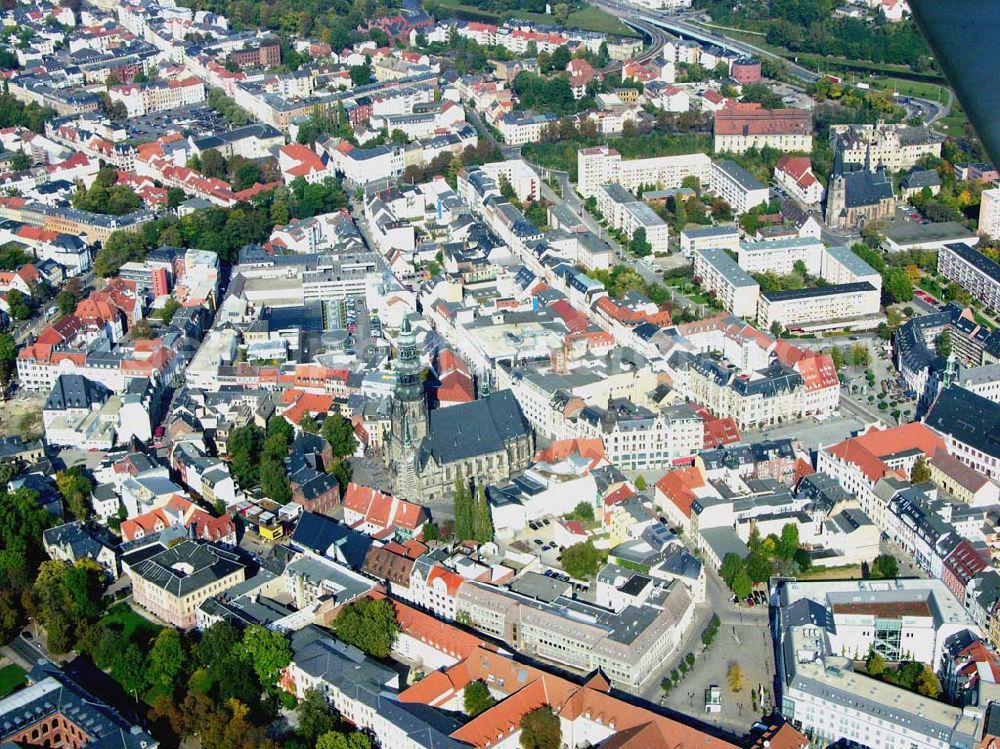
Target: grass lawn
{"x":586,"y":19}
{"x":911,"y":88}
{"x":12,"y":678}
{"x":931,"y":287}
{"x":123,"y":616}
{"x":845,"y":572}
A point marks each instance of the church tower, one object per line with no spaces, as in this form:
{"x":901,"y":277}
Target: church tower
{"x":408,"y":415}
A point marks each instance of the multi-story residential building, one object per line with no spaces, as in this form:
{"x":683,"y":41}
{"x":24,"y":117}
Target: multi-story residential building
{"x":970,"y":424}
{"x":840,"y":265}
{"x":795,"y":175}
{"x":780,"y":255}
{"x":626,"y":214}
{"x":844,"y":305}
{"x":264,"y":53}
{"x":989,"y":213}
{"x":361,"y":690}
{"x":973,"y":271}
{"x":859,"y":463}
{"x":752,"y":399}
{"x":698,"y":238}
{"x":577,"y":634}
{"x":737,"y":186}
{"x":739,"y":127}
{"x":518,"y":129}
{"x":896,"y":147}
{"x":734,"y":287}
{"x":600,"y":165}
{"x":144,"y":98}
{"x":173,"y":583}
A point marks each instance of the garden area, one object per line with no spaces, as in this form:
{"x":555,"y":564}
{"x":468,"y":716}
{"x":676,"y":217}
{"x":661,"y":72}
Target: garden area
{"x":12,"y":678}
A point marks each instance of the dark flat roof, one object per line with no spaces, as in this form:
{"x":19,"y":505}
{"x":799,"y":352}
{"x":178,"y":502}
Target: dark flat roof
{"x":844,"y":288}
{"x":976,"y":259}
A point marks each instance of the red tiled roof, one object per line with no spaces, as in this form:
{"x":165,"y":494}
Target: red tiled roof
{"x":678,"y":486}
{"x":752,"y":119}
{"x":867,"y":450}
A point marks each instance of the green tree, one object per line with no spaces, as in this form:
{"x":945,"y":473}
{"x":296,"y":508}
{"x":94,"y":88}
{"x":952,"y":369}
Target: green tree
{"x":274,"y":479}
{"x":483,"y":518}
{"x":942,"y":344}
{"x":269,"y":653}
{"x":742,"y":584}
{"x":921,"y":471}
{"x":583,"y":511}
{"x":640,"y":483}
{"x":731,"y":566}
{"x":129,"y":669}
{"x":335,"y":740}
{"x":788,"y":544}
{"x":465,"y":513}
{"x":217,"y":643}
{"x":582,"y":560}
{"x":20,"y":162}
{"x":640,"y":246}
{"x":244,"y":446}
{"x":884,"y":567}
{"x":166,"y":661}
{"x":339,"y":432}
{"x":122,"y":247}
{"x":369,"y":625}
{"x":76,"y":490}
{"x":66,"y":302}
{"x":20,"y":309}
{"x":874,"y":663}
{"x":361,"y":74}
{"x":213,"y":164}
{"x":315,"y":716}
{"x":896,"y":285}
{"x":927,"y":683}
{"x":8,"y":358}
{"x":540,"y":729}
{"x":169,"y":310}
{"x":477,"y":698}
{"x":309,"y":424}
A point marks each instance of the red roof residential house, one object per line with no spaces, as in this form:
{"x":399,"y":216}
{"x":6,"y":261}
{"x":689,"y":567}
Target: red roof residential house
{"x":372,"y":512}
{"x":795,"y":174}
{"x":587,"y":712}
{"x":178,"y":511}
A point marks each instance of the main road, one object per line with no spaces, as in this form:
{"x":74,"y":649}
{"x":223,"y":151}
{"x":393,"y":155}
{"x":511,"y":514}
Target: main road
{"x":929,"y":109}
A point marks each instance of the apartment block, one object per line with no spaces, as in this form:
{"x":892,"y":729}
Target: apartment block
{"x":973,"y":271}
{"x":821,"y":306}
{"x":708,"y":237}
{"x":989,"y":213}
{"x":720,"y":274}
{"x":780,"y":255}
{"x":841,"y":265}
{"x":737,"y":186}
{"x":600,"y":165}
{"x":627,"y":214}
